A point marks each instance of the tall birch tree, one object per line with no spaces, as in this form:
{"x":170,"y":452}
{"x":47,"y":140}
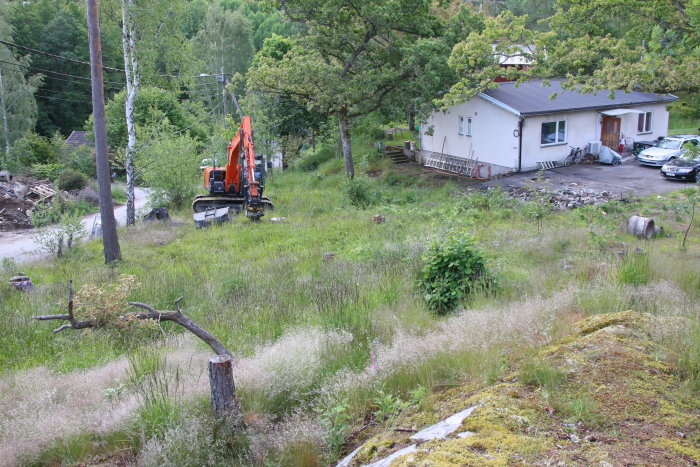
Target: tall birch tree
{"x":132,"y":90}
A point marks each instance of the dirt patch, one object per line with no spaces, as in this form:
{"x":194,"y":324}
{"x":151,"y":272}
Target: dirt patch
{"x":13,"y":214}
{"x":18,"y":197}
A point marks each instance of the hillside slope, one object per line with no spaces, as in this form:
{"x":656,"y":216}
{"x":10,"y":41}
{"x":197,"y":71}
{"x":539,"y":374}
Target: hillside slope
{"x":605,"y":396}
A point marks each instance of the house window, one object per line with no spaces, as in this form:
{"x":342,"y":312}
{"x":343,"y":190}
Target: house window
{"x":465,"y":126}
{"x":553,"y":132}
{"x":644,"y":123}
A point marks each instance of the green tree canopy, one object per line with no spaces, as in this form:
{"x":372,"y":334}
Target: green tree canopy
{"x":18,"y":110}
{"x":153,"y":106}
{"x":351,"y":58}
{"x":596,"y":44}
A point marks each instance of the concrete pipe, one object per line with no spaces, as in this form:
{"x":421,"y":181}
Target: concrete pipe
{"x":641,"y":227}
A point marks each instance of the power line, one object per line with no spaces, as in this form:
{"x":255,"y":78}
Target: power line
{"x":61,"y":99}
{"x":82,"y":62}
{"x":56,"y":72}
{"x":71,"y":81}
{"x":41,"y":52}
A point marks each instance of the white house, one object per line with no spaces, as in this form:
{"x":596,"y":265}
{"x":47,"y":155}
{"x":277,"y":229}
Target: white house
{"x":515,"y":127}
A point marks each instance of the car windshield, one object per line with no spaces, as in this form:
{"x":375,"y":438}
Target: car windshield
{"x":670,"y":144}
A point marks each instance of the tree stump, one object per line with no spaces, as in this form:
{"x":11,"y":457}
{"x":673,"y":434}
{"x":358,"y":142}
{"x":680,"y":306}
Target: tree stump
{"x":223,"y":390}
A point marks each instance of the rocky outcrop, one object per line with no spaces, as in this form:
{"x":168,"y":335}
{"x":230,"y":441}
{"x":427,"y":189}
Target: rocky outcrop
{"x":600,"y":397}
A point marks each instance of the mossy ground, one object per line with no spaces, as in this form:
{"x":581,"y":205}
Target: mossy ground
{"x":618,"y":405}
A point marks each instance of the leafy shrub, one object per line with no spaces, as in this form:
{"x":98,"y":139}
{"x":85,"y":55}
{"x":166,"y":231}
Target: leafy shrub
{"x":45,"y":214}
{"x":89,"y":195}
{"x":78,"y":207}
{"x":359,"y":192}
{"x":174,"y":179}
{"x":82,"y":159}
{"x":71,"y":180}
{"x":118,"y":194}
{"x":58,"y":240}
{"x":30,"y":149}
{"x":311,"y":163}
{"x":452,"y":270}
{"x":46,"y":171}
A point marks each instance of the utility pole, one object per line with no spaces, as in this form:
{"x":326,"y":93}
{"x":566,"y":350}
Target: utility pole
{"x":5,"y":126}
{"x":222,"y":80}
{"x":110,"y":240}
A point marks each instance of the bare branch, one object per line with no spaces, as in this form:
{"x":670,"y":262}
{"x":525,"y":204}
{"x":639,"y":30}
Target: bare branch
{"x":47,"y":317}
{"x":177,"y":317}
{"x":143,"y":305}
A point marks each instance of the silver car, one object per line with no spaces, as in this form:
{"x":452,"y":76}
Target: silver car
{"x":668,"y":149}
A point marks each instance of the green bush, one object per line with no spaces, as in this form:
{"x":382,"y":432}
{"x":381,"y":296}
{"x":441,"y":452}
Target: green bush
{"x":311,"y":163}
{"x":360,"y":193}
{"x":71,"y":180}
{"x":82,"y":159}
{"x":118,"y":194}
{"x":452,"y":270}
{"x":46,"y":171}
{"x":175,"y":180}
{"x":29,"y":150}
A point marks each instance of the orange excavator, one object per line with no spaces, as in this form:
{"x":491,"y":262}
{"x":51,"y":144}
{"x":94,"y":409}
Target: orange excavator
{"x":238,"y":185}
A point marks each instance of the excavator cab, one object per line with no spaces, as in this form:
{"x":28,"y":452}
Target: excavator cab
{"x":217,"y":184}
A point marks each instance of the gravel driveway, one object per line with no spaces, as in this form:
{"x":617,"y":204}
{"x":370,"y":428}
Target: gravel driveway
{"x":629,"y":177}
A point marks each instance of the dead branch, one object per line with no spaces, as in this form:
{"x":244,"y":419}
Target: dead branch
{"x":74,"y":323}
{"x":177,"y":317}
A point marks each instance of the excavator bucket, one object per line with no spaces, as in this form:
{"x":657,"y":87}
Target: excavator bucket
{"x":212,"y":216}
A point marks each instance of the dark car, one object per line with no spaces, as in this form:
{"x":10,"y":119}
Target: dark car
{"x":680,"y":169}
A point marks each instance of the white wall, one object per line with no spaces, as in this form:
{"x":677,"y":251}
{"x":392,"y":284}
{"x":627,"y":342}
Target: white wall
{"x":585,"y":127}
{"x":659,"y":122}
{"x":492,"y":137}
{"x":581,"y":130}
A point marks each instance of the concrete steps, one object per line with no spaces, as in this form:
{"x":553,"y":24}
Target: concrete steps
{"x":396,"y":154}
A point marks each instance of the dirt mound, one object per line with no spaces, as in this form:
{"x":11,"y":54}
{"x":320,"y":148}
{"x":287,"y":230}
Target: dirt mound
{"x":602,"y":397}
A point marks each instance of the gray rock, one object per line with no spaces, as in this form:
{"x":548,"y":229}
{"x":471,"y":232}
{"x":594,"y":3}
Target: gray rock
{"x":328,"y":256}
{"x":443,"y":428}
{"x":386,"y":462}
{"x":157,"y":214}
{"x":23,"y":283}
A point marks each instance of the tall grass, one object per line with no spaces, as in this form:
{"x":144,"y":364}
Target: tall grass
{"x":314,"y":335}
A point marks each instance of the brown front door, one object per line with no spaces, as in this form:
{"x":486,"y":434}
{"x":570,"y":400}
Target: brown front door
{"x":610,"y":132}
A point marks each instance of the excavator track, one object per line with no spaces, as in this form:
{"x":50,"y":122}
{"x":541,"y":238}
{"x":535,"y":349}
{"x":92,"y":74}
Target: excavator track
{"x":203,"y":202}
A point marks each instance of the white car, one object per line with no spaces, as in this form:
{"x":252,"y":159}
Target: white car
{"x":668,"y":149}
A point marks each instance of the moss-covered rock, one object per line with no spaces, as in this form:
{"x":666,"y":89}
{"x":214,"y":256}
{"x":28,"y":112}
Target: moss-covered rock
{"x":618,"y":405}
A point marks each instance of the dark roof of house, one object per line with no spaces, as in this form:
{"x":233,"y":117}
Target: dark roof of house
{"x":77,"y":138}
{"x":532,"y":98}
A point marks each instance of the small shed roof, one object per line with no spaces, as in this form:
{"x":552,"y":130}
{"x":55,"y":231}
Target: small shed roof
{"x":77,"y":138}
{"x":533,"y":98}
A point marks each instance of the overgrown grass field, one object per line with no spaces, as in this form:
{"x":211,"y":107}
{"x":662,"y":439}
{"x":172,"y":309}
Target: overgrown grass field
{"x":328,"y":343}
